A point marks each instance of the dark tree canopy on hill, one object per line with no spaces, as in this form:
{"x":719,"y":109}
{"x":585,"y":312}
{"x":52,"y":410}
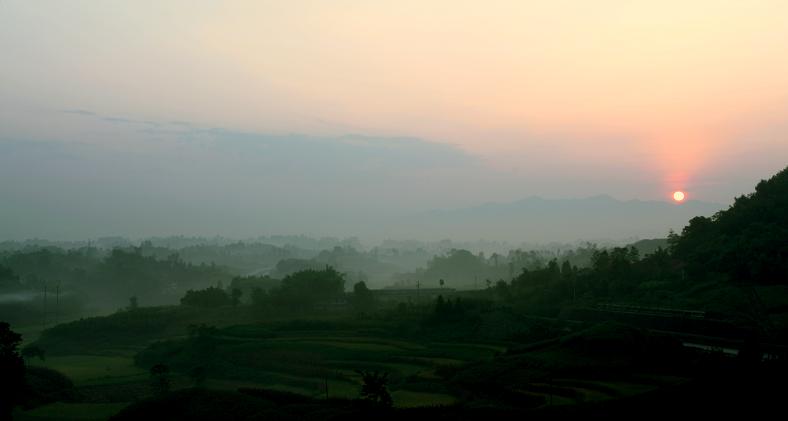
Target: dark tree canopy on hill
{"x":747,"y":242}
{"x":457,"y":264}
{"x":308,"y":288}
{"x":8,"y":279}
{"x":209,"y":297}
{"x":12,"y":370}
{"x":109,"y":277}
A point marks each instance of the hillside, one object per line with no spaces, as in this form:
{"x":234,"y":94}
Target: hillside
{"x":748,"y":242}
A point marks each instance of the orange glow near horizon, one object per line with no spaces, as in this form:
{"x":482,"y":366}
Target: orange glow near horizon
{"x":507,"y":79}
{"x":668,"y":91}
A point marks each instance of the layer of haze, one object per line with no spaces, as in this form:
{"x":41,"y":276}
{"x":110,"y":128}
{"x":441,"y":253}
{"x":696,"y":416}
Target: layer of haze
{"x":253,"y":117}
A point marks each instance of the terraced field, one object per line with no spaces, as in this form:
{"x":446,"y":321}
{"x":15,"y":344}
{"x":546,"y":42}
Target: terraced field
{"x":314,"y":363}
{"x":322,"y":359}
{"x":86,"y":370}
{"x":309,"y":362}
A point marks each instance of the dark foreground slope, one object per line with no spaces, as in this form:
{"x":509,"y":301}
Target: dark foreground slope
{"x":747,"y":395}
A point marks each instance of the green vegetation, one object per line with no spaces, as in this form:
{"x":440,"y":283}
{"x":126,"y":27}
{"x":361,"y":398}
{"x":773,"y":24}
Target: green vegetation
{"x":12,"y":368}
{"x":9,"y":281}
{"x":374,"y":387}
{"x":209,"y":297}
{"x":362,"y":300}
{"x":745,"y":243}
{"x":86,"y":370}
{"x":305,"y":289}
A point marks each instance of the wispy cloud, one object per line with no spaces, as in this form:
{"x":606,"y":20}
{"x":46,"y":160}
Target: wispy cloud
{"x":118,"y":119}
{"x":79,"y":112}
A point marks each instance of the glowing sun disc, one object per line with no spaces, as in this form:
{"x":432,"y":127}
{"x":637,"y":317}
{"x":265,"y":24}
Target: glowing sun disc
{"x":678,"y":196}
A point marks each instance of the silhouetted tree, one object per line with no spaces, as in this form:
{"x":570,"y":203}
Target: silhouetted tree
{"x":374,"y":387}
{"x":363,"y":300}
{"x":12,"y":370}
{"x":133,"y":304}
{"x":160,"y":378}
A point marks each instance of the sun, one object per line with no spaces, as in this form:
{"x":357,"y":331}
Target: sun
{"x":679,"y":196}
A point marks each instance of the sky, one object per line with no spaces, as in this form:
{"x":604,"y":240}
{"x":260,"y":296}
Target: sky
{"x":233,"y":117}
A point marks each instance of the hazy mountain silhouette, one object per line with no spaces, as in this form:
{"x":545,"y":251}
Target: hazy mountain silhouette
{"x":535,"y":219}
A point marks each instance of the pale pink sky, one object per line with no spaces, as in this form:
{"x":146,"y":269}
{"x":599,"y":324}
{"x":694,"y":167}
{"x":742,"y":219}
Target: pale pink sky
{"x":597,"y":96}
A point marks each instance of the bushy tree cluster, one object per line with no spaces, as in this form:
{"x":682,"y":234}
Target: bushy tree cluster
{"x":363,"y":299}
{"x":303,"y":290}
{"x":110,"y":277}
{"x":447,"y":311}
{"x":619,"y":273}
{"x":210,"y":297}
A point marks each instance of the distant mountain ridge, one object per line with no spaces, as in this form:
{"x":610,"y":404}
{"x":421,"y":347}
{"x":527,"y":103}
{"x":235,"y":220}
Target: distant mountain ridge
{"x":532,"y":201}
{"x":536,"y":219}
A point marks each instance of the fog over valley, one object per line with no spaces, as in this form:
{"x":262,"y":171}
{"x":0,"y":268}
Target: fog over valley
{"x":141,"y":179}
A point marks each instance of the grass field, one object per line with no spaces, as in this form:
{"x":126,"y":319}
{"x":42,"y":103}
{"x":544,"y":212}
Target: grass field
{"x":70,"y":412}
{"x":409,"y":399}
{"x":306,"y":359}
{"x":305,"y":362}
{"x":321,"y":358}
{"x":93,"y":369}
